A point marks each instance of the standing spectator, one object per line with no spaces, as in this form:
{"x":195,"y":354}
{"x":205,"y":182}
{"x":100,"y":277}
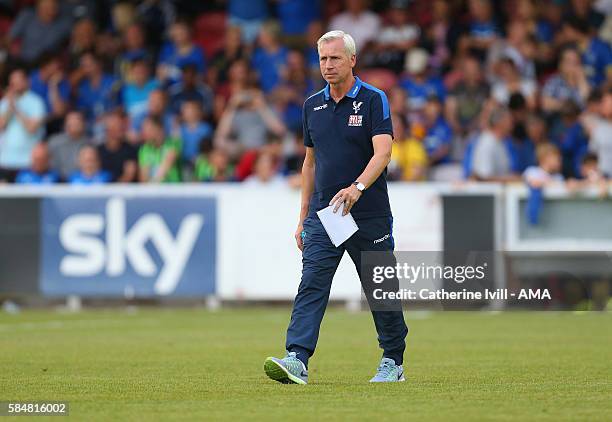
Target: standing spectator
{"x":64,"y":147}
{"x":512,"y":47}
{"x":117,"y":157}
{"x":288,"y":98}
{"x":158,"y":157}
{"x":569,"y":83}
{"x":49,"y":82}
{"x":89,"y":171}
{"x":39,"y":172}
{"x":22,"y":115}
{"x":363,"y":25}
{"x":191,"y":88}
{"x":248,"y":15}
{"x":96,"y":92}
{"x":491,"y":161}
{"x":40,"y":30}
{"x":270,"y":57}
{"x":417,"y":84}
{"x":177,"y":52}
{"x":569,"y":135}
{"x":138,"y":88}
{"x":466,"y":100}
{"x":193,"y":129}
{"x":596,"y":54}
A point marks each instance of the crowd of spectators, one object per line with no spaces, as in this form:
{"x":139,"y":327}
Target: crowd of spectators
{"x":174,"y":91}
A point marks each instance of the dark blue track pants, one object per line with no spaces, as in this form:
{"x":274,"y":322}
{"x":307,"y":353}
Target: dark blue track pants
{"x":320,"y":259}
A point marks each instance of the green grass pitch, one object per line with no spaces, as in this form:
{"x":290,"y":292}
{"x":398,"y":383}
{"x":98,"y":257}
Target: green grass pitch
{"x":192,"y":364}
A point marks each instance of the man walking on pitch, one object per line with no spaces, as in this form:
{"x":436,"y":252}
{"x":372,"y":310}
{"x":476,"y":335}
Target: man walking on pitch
{"x":348,"y":138}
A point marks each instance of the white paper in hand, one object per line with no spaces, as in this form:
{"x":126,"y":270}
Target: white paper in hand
{"x":338,"y":227}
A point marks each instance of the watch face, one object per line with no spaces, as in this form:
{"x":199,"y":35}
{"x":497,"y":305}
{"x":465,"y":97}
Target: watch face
{"x":361,"y":186}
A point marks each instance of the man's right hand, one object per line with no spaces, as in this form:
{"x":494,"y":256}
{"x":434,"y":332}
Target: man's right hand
{"x":298,"y":237}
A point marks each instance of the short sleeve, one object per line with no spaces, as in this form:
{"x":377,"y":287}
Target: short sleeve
{"x":380,"y":115}
{"x":306,"y":135}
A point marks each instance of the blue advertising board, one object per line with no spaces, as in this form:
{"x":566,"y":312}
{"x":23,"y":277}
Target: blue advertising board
{"x":128,"y":246}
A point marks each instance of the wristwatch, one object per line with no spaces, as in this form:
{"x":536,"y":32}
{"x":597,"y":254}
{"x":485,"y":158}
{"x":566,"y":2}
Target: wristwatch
{"x":360,"y":186}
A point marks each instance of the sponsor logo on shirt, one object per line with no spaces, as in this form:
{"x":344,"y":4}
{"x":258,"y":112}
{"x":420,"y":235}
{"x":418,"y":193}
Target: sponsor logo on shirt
{"x":321,"y":107}
{"x":355,"y":120}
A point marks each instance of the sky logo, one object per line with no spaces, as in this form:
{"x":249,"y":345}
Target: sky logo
{"x":156,"y":246}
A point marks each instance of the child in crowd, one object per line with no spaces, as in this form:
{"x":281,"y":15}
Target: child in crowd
{"x":408,"y":155}
{"x":193,"y":129}
{"x":214,"y":166}
{"x":537,"y":177}
{"x":159,"y":156}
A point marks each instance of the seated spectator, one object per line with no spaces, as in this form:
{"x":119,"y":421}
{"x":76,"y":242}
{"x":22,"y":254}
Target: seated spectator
{"x":89,"y":171}
{"x":22,"y":115}
{"x":510,"y":82}
{"x":40,"y":29}
{"x":248,"y":15}
{"x":177,"y":52}
{"x":214,"y":167}
{"x":596,"y":53}
{"x":295,"y":16}
{"x":97,"y":92}
{"x":482,"y":29}
{"x":158,"y":157}
{"x":467,"y":99}
{"x":270,"y":57}
{"x":138,"y":88}
{"x":417,"y":84}
{"x":357,"y":20}
{"x":490,"y":159}
{"x":82,"y":40}
{"x":49,"y":82}
{"x":394,"y":40}
{"x":232,"y":50}
{"x":408,"y":156}
{"x":191,"y":88}
{"x":193,"y":129}
{"x":548,"y":169}
{"x":265,"y":172}
{"x":157,"y":106}
{"x":569,"y":83}
{"x":288,"y":98}
{"x":118,"y":157}
{"x":438,"y":134}
{"x":246,"y":122}
{"x":599,"y":130}
{"x":39,"y":172}
{"x":569,"y":135}
{"x":134,"y":42}
{"x":65,"y":147}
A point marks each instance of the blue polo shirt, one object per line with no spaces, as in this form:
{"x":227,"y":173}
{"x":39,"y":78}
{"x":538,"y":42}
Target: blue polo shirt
{"x":341,"y":135}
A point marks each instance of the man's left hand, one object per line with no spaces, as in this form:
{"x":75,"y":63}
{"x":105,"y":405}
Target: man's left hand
{"x":349,"y":196}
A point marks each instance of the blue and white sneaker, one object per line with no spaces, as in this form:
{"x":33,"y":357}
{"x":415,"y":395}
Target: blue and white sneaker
{"x":388,"y":371}
{"x":288,"y":370}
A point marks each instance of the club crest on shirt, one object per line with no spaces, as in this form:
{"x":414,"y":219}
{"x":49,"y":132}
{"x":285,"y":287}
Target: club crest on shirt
{"x":355,"y":120}
{"x":357,"y":106}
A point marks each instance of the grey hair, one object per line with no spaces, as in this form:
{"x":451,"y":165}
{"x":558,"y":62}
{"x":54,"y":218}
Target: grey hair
{"x":349,"y":42}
